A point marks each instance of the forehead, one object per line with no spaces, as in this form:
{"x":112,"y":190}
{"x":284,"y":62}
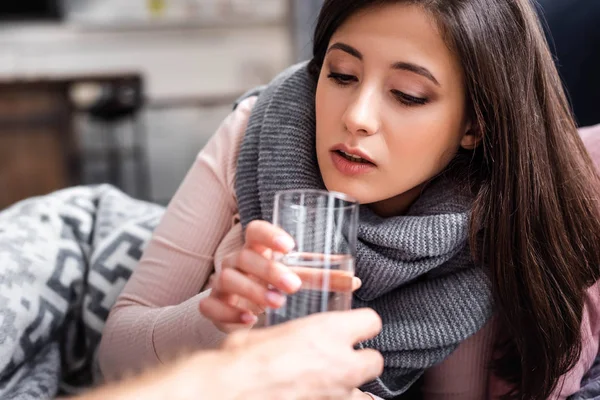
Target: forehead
{"x":400,"y":32}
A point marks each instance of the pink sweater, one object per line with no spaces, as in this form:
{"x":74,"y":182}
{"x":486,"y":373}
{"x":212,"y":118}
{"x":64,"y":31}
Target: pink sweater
{"x":156,"y":317}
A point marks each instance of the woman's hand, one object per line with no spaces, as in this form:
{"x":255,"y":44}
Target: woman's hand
{"x":250,"y":280}
{"x":241,"y":289}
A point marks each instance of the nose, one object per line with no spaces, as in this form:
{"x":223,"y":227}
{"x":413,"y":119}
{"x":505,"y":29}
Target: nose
{"x":362,"y":115}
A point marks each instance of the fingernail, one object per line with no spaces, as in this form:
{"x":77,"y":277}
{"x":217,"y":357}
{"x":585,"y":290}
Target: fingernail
{"x":291,"y":281}
{"x":285,"y":242}
{"x":356,"y":283}
{"x":275,"y":299}
{"x":249,"y":318}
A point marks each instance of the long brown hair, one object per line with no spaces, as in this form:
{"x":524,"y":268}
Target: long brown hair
{"x":535,"y":217}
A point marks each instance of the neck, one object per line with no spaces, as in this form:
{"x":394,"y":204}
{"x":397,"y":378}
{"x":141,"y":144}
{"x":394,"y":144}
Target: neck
{"x":397,"y":205}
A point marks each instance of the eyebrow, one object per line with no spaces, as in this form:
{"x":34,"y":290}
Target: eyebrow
{"x":414,"y":68}
{"x":417,"y":69}
{"x":346,"y":48}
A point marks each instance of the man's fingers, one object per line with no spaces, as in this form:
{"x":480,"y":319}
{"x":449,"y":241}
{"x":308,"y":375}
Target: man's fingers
{"x":354,"y":326}
{"x":370,"y":363}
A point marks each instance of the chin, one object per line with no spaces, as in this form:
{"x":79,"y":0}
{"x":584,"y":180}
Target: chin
{"x":362,"y":193}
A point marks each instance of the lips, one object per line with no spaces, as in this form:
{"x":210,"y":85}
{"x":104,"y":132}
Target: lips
{"x":353,"y":154}
{"x":351,"y":162}
{"x":351,"y":157}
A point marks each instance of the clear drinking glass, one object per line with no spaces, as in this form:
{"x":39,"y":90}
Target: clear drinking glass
{"x":323,"y":225}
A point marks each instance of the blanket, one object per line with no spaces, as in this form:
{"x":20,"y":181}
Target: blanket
{"x":64,"y":259}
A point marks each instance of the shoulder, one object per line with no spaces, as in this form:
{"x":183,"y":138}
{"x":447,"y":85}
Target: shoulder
{"x":591,"y":139}
{"x":237,"y":122}
{"x":222,"y":151}
{"x":225,"y":143}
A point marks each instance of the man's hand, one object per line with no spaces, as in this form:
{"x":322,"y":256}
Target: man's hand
{"x":310,"y":358}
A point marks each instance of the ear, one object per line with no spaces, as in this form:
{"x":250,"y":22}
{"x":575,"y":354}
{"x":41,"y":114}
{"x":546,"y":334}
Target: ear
{"x":472,"y":137}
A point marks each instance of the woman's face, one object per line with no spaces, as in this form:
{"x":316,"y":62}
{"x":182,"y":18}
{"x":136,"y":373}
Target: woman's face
{"x":390,"y":107}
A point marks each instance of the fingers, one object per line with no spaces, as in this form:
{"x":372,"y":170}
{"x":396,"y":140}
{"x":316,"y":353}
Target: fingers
{"x":351,"y":327}
{"x":262,"y":234}
{"x":356,"y":283}
{"x":233,"y":281}
{"x":361,"y":324}
{"x":248,"y":305}
{"x":326,"y":279}
{"x":268,"y":271}
{"x":217,"y":311}
{"x":370,"y":365}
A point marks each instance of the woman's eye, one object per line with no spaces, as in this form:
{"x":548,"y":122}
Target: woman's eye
{"x":342,"y":79}
{"x":409,"y":100}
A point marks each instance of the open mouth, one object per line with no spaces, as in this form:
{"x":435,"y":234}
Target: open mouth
{"x":353,"y":158}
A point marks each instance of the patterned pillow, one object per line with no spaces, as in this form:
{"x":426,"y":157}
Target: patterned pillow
{"x":65,"y":258}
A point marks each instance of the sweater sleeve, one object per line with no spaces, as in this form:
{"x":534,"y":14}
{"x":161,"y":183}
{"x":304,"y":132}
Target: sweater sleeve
{"x":156,"y":317}
{"x":570,"y":383}
{"x":464,"y":374}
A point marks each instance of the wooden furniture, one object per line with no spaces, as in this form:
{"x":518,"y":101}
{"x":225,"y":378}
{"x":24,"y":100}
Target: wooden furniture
{"x":37,"y":144}
{"x":39,"y":150}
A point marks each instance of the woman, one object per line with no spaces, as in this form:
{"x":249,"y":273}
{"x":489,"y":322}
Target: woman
{"x":447,"y":121}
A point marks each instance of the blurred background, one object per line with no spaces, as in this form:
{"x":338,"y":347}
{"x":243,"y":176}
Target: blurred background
{"x":128,"y":91}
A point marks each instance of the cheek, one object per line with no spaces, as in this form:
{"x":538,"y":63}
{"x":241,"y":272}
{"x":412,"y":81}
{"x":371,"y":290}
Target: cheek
{"x":428,"y":139}
{"x":329,"y":109}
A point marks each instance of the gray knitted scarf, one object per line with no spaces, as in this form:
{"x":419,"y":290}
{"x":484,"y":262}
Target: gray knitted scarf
{"x":416,"y":269}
